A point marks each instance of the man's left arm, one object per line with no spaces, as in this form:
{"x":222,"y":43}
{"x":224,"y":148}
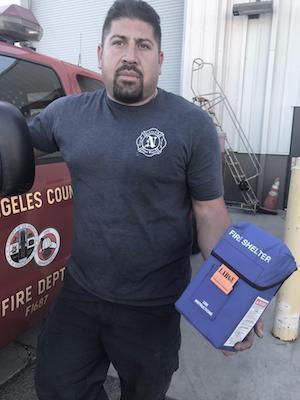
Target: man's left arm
{"x":212,"y":219}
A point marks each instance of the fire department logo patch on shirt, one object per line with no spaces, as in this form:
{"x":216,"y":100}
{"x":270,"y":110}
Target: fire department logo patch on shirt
{"x":151,"y":142}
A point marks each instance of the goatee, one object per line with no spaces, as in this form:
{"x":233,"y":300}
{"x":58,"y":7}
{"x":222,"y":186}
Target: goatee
{"x":128,"y":92}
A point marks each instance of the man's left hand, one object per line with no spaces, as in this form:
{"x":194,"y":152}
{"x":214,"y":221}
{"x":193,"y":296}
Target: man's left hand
{"x":258,"y":330}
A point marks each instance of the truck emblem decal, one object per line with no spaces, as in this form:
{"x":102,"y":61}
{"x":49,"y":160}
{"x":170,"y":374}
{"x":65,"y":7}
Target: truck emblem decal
{"x":20,"y":245}
{"x":48,"y":247}
{"x":151,"y":142}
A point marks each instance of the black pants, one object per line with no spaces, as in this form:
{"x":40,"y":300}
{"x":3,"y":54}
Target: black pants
{"x":83,"y":335}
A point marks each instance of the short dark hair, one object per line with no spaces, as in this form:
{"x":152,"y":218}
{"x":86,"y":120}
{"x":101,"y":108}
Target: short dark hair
{"x":133,"y":9}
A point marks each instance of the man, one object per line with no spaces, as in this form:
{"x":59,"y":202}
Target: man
{"x":139,"y":159}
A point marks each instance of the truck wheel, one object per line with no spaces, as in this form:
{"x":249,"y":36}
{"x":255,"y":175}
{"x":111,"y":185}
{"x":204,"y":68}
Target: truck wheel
{"x":17,"y":165}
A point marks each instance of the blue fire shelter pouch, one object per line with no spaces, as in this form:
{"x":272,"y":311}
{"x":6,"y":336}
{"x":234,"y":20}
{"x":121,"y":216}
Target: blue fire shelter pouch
{"x":235,"y":284}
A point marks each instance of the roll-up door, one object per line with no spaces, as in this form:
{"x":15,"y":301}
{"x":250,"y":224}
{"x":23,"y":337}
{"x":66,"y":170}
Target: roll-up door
{"x":72,"y":31}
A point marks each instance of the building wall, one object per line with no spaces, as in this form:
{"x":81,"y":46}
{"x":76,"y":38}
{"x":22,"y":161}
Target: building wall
{"x":23,"y":3}
{"x":72,"y":32}
{"x":257,"y":63}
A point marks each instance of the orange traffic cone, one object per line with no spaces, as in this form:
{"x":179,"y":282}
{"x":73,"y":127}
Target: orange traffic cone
{"x":270,"y":203}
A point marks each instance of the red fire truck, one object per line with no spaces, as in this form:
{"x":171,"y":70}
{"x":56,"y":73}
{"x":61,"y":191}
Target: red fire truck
{"x":36,"y":227}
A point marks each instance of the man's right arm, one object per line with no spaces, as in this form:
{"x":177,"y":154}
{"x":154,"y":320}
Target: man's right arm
{"x":41,"y":129}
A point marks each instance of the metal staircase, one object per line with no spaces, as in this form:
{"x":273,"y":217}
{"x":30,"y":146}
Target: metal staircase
{"x":209,"y":102}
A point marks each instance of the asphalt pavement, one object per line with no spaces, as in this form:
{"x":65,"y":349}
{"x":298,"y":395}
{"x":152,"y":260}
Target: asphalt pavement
{"x":21,"y":387}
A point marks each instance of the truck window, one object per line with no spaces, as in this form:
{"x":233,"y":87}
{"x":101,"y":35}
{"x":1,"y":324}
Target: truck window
{"x":88,"y":84}
{"x":28,"y":86}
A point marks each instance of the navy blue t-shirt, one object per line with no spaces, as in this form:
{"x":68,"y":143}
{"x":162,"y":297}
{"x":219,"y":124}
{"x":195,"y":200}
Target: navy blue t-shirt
{"x":134,"y":170}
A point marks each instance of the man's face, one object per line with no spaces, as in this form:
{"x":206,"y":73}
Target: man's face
{"x":130,"y":61}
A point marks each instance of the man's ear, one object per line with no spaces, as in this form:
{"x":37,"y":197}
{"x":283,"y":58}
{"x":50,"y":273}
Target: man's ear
{"x":99,"y":55}
{"x":161,"y":60}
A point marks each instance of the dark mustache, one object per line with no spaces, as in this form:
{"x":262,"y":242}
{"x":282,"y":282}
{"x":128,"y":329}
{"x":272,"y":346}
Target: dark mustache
{"x":129,"y":67}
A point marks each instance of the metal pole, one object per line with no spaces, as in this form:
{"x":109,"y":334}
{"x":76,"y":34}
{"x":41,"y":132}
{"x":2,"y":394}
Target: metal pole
{"x":287,"y":311}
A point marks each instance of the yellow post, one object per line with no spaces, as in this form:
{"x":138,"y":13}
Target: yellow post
{"x":287,"y":311}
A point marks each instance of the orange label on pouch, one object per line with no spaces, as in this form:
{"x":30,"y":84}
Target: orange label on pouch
{"x":224,"y":279}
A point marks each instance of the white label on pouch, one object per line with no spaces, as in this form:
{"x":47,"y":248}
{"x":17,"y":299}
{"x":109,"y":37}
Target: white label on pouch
{"x":247,"y":323}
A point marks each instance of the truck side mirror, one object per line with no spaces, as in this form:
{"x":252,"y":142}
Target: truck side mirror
{"x":17,"y":164}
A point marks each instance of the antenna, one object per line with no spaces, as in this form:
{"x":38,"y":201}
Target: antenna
{"x":79,"y":55}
